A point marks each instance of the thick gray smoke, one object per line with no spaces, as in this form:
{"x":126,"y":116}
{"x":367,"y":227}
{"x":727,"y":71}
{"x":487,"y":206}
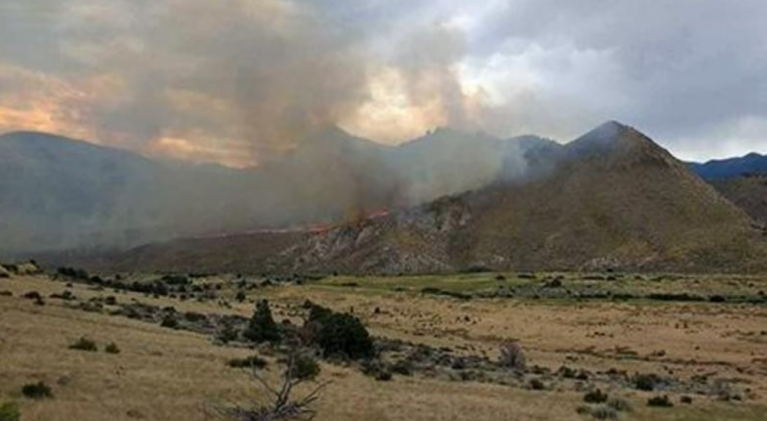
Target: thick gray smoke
{"x":235,"y":82}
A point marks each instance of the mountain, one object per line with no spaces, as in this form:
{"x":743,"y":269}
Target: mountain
{"x":749,"y":192}
{"x":613,"y":198}
{"x":752,"y":163}
{"x":58,"y":193}
{"x":741,"y":180}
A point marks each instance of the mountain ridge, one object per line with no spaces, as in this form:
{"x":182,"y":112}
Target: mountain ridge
{"x":633,"y":207}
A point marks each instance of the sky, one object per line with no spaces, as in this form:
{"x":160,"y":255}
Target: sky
{"x":241,"y":81}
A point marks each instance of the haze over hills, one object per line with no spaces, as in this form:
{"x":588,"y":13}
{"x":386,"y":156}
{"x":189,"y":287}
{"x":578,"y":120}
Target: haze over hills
{"x":611,"y":199}
{"x":58,"y":193}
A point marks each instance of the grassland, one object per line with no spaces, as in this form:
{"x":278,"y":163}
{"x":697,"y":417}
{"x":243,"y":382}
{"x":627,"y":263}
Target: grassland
{"x":602,"y":322}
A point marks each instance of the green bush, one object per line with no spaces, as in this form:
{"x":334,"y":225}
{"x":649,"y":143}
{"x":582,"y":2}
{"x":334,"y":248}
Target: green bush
{"x":305,"y":367}
{"x":84,"y":344}
{"x":228,"y":334}
{"x":595,"y":396}
{"x":537,"y":384}
{"x":660,"y":401}
{"x":338,"y":334}
{"x":646,"y":382}
{"x":262,"y":327}
{"x":9,"y":411}
{"x":37,"y":390}
{"x":169,"y":321}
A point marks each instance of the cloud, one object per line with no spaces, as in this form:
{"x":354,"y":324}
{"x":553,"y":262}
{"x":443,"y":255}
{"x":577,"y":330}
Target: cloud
{"x":240,"y":81}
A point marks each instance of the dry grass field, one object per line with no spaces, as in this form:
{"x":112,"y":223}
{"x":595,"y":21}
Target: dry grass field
{"x":167,"y":374}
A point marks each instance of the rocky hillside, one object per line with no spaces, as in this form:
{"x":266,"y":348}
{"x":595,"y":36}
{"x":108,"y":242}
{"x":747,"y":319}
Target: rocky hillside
{"x":749,"y":192}
{"x":612,"y":198}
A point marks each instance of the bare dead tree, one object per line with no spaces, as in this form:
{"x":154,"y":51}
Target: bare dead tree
{"x":280,"y":406}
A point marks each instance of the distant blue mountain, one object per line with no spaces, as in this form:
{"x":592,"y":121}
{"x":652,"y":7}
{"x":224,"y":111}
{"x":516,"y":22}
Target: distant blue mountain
{"x":752,"y":163}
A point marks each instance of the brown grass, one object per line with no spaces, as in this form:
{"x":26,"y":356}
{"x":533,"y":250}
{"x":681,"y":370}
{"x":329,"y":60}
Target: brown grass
{"x":162,"y":374}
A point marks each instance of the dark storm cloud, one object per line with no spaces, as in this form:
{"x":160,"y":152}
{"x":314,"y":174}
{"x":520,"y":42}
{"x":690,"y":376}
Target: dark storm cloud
{"x":235,"y":81}
{"x":692,"y":72}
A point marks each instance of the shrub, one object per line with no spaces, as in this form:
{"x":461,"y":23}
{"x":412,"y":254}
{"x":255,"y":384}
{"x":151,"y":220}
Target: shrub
{"x":620,"y":405}
{"x":228,"y":334}
{"x":169,"y":321}
{"x":262,"y":327}
{"x":254,"y":361}
{"x":377,"y":369}
{"x":84,"y":344}
{"x":686,"y":400}
{"x":112,"y":348}
{"x":338,"y":334}
{"x":403,"y":367}
{"x":241,"y":297}
{"x":33,"y":295}
{"x":602,"y":412}
{"x":513,"y":356}
{"x":73,"y":273}
{"x":660,"y":401}
{"x":646,"y":382}
{"x":595,"y":396}
{"x":305,"y":367}
{"x":9,"y":412}
{"x":37,"y":390}
{"x":537,"y":384}
{"x":175,"y":280}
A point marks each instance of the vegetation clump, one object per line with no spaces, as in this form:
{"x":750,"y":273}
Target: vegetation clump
{"x":646,"y":382}
{"x":73,"y":273}
{"x":9,"y":411}
{"x":84,"y":344}
{"x":112,"y":348}
{"x":169,"y":321}
{"x":253,"y":361}
{"x":338,"y":334}
{"x":620,"y":405}
{"x":305,"y":367}
{"x":38,"y":390}
{"x":228,"y":333}
{"x":595,"y":396}
{"x":262,"y":327}
{"x":281,"y":405}
{"x":660,"y":401}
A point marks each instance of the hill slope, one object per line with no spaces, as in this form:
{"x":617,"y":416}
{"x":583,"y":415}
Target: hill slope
{"x":56,"y":192}
{"x":749,"y":192}
{"x":614,"y":198}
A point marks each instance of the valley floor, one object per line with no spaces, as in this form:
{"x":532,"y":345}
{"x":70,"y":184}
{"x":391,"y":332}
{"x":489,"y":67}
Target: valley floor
{"x":167,"y":374}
